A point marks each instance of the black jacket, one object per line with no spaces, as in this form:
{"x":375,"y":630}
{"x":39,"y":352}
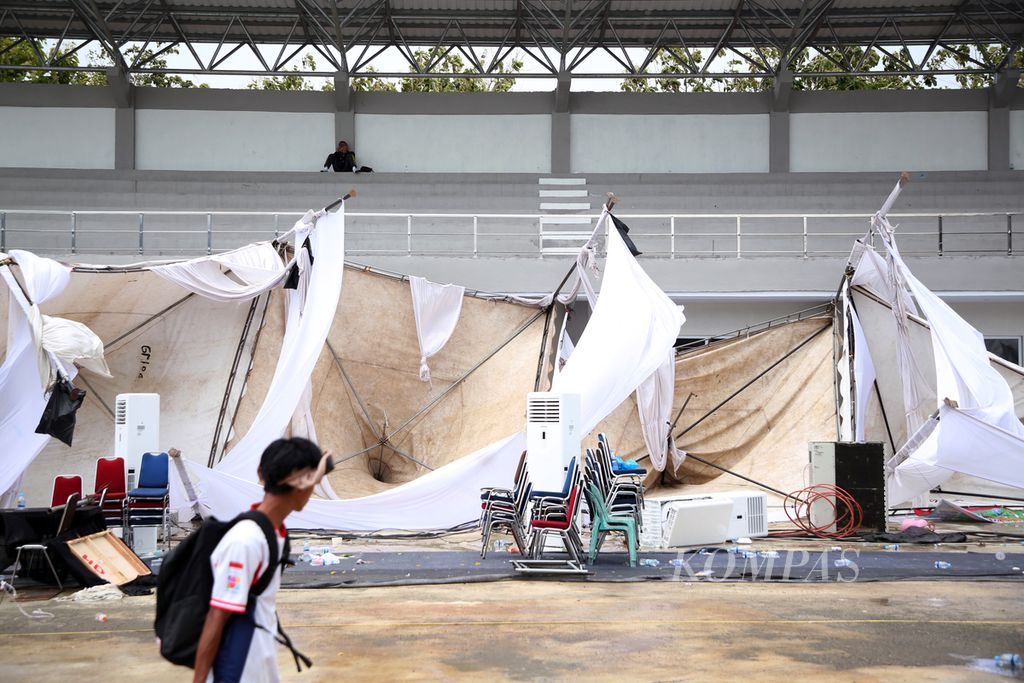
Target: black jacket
{"x":341,"y":161}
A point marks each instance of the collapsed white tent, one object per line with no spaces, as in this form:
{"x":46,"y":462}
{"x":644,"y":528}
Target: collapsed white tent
{"x":170,"y":328}
{"x":974,"y":429}
{"x":633,"y":322}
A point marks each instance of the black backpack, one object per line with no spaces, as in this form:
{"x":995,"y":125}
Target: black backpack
{"x":185,"y":584}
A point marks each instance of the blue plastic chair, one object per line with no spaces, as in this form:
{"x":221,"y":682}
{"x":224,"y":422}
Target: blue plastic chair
{"x":146,"y":504}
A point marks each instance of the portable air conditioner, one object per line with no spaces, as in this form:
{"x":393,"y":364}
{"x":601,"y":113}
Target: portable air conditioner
{"x":136,"y":427}
{"x":697,"y":520}
{"x":749,"y":517}
{"x":552,"y":437}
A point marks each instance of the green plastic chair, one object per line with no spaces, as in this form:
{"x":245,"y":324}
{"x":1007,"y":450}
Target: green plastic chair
{"x":602,"y":522}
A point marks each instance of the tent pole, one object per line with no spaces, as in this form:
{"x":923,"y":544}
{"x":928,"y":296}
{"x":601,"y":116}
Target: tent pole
{"x":248,"y":372}
{"x":473,"y":369}
{"x":736,"y":474}
{"x":755,"y":379}
{"x":231,"y":379}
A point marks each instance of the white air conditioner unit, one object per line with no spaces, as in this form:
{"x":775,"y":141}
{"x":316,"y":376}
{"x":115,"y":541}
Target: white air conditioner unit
{"x":136,"y":427}
{"x":552,"y":437}
{"x":697,"y":520}
{"x":749,"y":514}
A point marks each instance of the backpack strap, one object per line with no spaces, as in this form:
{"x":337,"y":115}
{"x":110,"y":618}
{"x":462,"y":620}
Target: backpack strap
{"x":271,"y":535}
{"x":276,"y":559}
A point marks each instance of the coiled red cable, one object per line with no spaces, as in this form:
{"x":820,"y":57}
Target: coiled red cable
{"x":847,"y":514}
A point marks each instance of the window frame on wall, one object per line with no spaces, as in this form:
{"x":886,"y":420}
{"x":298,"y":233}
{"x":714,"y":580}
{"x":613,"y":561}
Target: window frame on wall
{"x":1009,"y":341}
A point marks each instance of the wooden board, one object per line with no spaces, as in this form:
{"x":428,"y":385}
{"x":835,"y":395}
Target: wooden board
{"x":108,"y":557}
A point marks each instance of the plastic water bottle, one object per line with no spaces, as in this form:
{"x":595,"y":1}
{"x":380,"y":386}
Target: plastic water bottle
{"x":843,"y":562}
{"x":21,"y":500}
{"x":892,"y":547}
{"x":649,"y":562}
{"x":306,"y":556}
{"x":1008,"y":661}
{"x":940,"y":564}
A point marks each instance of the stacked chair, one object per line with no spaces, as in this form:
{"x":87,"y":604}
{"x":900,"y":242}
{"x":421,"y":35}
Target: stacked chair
{"x":506,"y":508}
{"x":555,"y":512}
{"x":147,"y":503}
{"x":614,"y":497}
{"x":111,"y":489}
{"x":63,"y":486}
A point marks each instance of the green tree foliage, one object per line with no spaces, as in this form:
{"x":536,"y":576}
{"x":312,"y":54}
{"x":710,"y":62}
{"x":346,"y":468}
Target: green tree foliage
{"x":966,"y":57}
{"x":371,"y":83}
{"x":451,"y":62}
{"x":145,"y":80}
{"x":677,"y":61}
{"x":23,"y":53}
{"x":291,"y":81}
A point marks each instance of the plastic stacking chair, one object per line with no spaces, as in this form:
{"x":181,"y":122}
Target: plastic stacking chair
{"x":602,"y":523}
{"x":555,"y":514}
{"x":63,"y":486}
{"x":146,"y":504}
{"x":111,"y":489}
{"x":506,"y":508}
{"x":66,"y":518}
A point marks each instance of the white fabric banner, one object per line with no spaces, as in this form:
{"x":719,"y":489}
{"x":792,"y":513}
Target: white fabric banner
{"x":959,"y":442}
{"x":441,"y":499}
{"x":22,"y":397}
{"x":305,"y":332}
{"x":863,"y":375}
{"x":654,"y":405}
{"x":256,"y":268}
{"x":436,"y":309}
{"x":632,"y":328}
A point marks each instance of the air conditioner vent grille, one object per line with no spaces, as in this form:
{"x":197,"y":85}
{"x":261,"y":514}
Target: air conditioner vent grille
{"x":121,"y":412}
{"x":756,"y":519}
{"x":547,"y":410}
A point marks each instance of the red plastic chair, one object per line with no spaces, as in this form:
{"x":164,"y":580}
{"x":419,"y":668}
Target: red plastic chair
{"x":111,"y":489}
{"x":63,"y":486}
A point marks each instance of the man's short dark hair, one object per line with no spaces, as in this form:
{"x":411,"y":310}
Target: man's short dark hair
{"x":282,"y":458}
{"x":342,"y":142}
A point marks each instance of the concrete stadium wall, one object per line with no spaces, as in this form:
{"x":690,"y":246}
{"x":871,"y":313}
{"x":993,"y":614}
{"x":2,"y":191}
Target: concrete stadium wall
{"x":54,"y":126}
{"x":180,"y":140}
{"x":1017,"y":139}
{"x":454,"y":143}
{"x":666,"y":143}
{"x":889,"y":141}
{"x":56,"y":137}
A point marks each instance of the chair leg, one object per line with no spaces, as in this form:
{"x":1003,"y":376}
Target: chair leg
{"x":60,"y":584}
{"x":16,"y":568}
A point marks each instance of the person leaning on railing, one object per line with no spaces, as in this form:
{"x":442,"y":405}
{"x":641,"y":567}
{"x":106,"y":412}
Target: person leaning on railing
{"x":343,"y":160}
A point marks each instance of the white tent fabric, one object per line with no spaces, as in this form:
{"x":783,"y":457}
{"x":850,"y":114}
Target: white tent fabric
{"x":632,"y":328}
{"x":975,"y":404}
{"x":959,"y":442}
{"x":73,"y":342}
{"x":436,"y":308}
{"x":305,"y":333}
{"x":654,"y":406}
{"x":257,"y":268}
{"x":863,"y":374}
{"x":634,"y":324}
{"x":22,"y":398}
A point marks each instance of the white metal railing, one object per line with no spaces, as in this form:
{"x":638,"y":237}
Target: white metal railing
{"x":671,"y":236}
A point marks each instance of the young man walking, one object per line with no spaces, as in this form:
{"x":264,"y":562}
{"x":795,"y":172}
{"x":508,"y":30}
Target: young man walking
{"x":238,"y":641}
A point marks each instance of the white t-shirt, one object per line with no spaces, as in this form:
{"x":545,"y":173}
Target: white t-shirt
{"x":247,"y":653}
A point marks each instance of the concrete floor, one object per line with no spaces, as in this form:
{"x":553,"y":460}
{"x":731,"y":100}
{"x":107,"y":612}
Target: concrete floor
{"x":934,"y":631}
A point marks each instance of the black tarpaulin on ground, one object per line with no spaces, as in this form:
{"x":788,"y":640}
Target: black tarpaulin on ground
{"x":435,"y":567}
